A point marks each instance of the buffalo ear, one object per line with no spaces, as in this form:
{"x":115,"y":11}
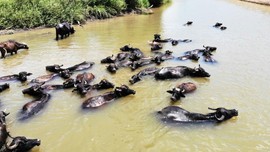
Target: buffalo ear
{"x":28,"y":74}
{"x":170,"y":91}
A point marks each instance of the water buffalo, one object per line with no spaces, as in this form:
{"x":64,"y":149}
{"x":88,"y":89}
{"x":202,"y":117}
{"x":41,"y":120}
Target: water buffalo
{"x":44,"y":78}
{"x":81,"y":66}
{"x":64,"y":30}
{"x":135,"y":53}
{"x":217,"y":24}
{"x":82,"y":82}
{"x":22,"y":76}
{"x":108,"y":59}
{"x":188,"y":23}
{"x":158,"y":39}
{"x":208,"y":57}
{"x":192,"y":56}
{"x":22,"y":144}
{"x":97,"y":101}
{"x":33,"y":107}
{"x":179,"y":72}
{"x":175,"y":114}
{"x":138,"y":77}
{"x":4,"y":87}
{"x":103,"y":84}
{"x":223,"y":27}
{"x":3,"y":128}
{"x":35,"y":90}
{"x":3,"y":134}
{"x":11,"y":47}
{"x":113,"y":67}
{"x":181,"y":89}
{"x":54,"y":68}
{"x":160,"y":57}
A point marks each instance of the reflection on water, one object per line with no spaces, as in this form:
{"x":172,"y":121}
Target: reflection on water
{"x":239,"y":80}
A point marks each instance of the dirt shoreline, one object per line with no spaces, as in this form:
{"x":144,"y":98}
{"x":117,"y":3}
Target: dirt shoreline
{"x":262,"y":2}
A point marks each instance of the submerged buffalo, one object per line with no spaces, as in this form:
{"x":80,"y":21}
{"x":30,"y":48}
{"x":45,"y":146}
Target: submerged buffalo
{"x":175,"y":114}
{"x":169,"y":73}
{"x":3,"y":129}
{"x":22,"y":144}
{"x":4,"y":87}
{"x":33,"y":107}
{"x":22,"y":76}
{"x":11,"y":47}
{"x":97,"y":101}
{"x":180,"y":90}
{"x":64,"y":30}
{"x":179,"y":72}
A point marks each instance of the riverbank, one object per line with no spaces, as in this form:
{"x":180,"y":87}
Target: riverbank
{"x":262,"y":2}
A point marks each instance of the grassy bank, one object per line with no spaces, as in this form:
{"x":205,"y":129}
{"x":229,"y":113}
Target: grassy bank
{"x":23,"y":14}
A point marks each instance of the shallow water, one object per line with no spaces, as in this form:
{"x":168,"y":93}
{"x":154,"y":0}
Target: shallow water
{"x":240,"y":80}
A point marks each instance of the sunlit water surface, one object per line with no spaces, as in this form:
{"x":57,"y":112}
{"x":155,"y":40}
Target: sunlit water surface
{"x":240,"y":80}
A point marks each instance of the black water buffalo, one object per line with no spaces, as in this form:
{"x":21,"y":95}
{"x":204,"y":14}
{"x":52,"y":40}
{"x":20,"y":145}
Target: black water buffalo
{"x":64,"y":30}
{"x":35,"y":90}
{"x":67,"y":72}
{"x":217,"y":24}
{"x":135,"y":53}
{"x":33,"y":107}
{"x":175,"y":114}
{"x":192,"y":56}
{"x":44,"y":78}
{"x":113,"y":67}
{"x":54,"y":68}
{"x":11,"y":47}
{"x":223,"y":27}
{"x":138,"y":77}
{"x":160,"y":57}
{"x":157,"y":38}
{"x":22,"y":144}
{"x":103,"y":84}
{"x":188,"y":23}
{"x":4,"y":87}
{"x":169,"y":73}
{"x":179,"y":72}
{"x":3,"y":134}
{"x":82,"y":82}
{"x":22,"y":76}
{"x":81,"y":66}
{"x":181,"y":89}
{"x":3,"y":129}
{"x":97,"y":101}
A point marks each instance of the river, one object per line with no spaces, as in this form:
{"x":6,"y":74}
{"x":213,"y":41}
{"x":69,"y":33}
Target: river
{"x":239,"y":80}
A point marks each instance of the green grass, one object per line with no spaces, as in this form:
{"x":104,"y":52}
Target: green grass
{"x":35,"y":13}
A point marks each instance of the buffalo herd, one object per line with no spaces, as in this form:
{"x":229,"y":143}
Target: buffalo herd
{"x":129,"y":57}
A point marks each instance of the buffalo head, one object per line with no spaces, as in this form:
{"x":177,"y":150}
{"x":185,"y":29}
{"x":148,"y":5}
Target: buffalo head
{"x":69,"y":83}
{"x":3,"y":117}
{"x":22,"y":76}
{"x":103,"y":84}
{"x":35,"y":90}
{"x":199,"y":72}
{"x":123,"y":91}
{"x":22,"y":144}
{"x":177,"y":93}
{"x":222,"y":114}
{"x":112,"y":68}
{"x":54,"y":68}
{"x":108,"y":59}
{"x":134,"y":79}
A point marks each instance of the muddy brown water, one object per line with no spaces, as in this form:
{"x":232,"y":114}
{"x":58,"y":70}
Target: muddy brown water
{"x":240,"y":80}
